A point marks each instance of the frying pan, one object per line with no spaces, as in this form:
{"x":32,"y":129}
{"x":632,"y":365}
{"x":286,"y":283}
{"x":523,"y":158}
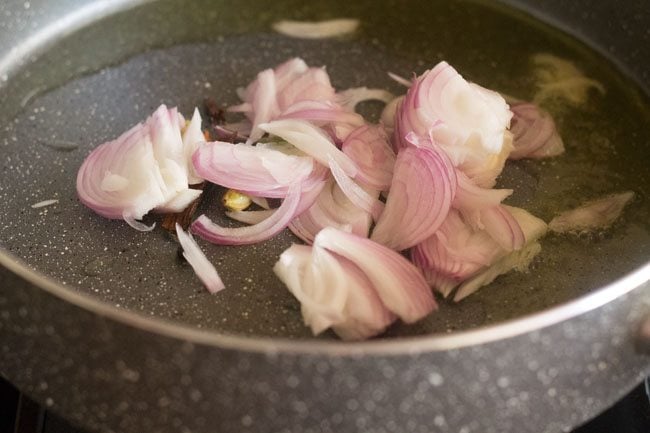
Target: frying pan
{"x":108,"y":328}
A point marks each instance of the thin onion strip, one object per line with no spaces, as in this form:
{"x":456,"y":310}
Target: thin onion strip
{"x":199,"y":262}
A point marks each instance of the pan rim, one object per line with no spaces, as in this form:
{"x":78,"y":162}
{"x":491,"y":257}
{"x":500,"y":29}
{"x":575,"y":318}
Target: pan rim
{"x":97,"y":10}
{"x":634,"y":280}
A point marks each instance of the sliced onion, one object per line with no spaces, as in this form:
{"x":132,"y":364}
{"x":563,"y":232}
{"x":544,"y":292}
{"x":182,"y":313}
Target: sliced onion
{"x":250,"y":216}
{"x":454,"y":253}
{"x":332,"y":209}
{"x":357,"y":195}
{"x":484,"y":171}
{"x":165,"y":132}
{"x":137,"y":225}
{"x":290,"y":71}
{"x":143,"y":169}
{"x":535,"y":135}
{"x":45,"y":203}
{"x":320,"y":113}
{"x":310,"y":223}
{"x":312,"y":85}
{"x":113,"y":182}
{"x":399,"y":79}
{"x":421,"y":193}
{"x":368,"y":147}
{"x":533,"y":229}
{"x":467,"y":120}
{"x":499,"y":223}
{"x":352,"y":97}
{"x":399,"y":284}
{"x":441,"y":283}
{"x":244,"y":107}
{"x":387,"y":119}
{"x":199,"y":262}
{"x":463,"y":242}
{"x":311,"y":140}
{"x":255,"y":170}
{"x":515,"y":260}
{"x":192,"y":137}
{"x":365,"y":313}
{"x":264,"y":230}
{"x":293,"y":205}
{"x":264,"y":104}
{"x":316,"y":29}
{"x":459,"y":253}
{"x":593,"y":215}
{"x":180,"y":201}
{"x":472,"y":197}
{"x":261,"y":202}
{"x":481,"y":208}
{"x":333,"y":293}
{"x":275,"y":90}
{"x":316,"y":280}
{"x":338,"y":122}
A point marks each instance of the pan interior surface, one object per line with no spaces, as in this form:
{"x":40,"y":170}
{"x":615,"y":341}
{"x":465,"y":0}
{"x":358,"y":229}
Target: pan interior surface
{"x":91,"y":86}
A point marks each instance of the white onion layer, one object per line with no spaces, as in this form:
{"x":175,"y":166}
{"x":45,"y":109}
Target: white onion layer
{"x":199,"y":262}
{"x":145,"y":168}
{"x":333,"y":293}
{"x":316,"y":29}
{"x":399,"y":284}
{"x":593,"y":215}
{"x":311,"y":140}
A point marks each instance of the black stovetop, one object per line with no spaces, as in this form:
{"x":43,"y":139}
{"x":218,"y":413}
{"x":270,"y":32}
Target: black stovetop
{"x":19,"y":414}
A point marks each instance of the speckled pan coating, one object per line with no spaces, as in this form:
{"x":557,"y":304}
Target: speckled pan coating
{"x":112,"y":369}
{"x":112,"y":377}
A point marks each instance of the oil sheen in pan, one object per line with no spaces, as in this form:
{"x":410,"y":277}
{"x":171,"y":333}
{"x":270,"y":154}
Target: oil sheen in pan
{"x":114,"y":73}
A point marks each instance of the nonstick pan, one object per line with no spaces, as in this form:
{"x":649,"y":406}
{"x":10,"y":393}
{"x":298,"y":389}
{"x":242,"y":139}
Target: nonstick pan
{"x":108,"y":327}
